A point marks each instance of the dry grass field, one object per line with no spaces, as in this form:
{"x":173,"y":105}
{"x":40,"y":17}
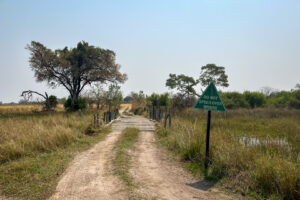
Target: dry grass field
{"x":254,"y":152}
{"x":36,"y":147}
{"x":5,"y":109}
{"x":19,"y":109}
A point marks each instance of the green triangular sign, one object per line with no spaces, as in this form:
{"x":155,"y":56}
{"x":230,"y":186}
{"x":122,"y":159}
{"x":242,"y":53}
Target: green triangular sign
{"x":210,"y":100}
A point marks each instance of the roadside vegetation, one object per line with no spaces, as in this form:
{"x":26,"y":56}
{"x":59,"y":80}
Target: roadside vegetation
{"x":37,"y":144}
{"x":19,"y":109}
{"x":253,"y":152}
{"x":35,"y":149}
{"x":138,"y":101}
{"x":274,"y":99}
{"x":255,"y":145}
{"x":121,"y":161}
{"x":40,"y":136}
{"x":39,"y":140}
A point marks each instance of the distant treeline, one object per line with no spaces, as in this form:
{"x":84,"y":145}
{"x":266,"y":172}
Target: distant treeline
{"x":282,"y":99}
{"x":231,"y":100}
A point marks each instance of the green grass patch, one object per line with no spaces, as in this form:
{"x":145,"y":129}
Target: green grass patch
{"x":121,"y":161}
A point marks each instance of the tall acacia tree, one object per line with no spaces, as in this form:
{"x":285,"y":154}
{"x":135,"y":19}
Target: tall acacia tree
{"x":184,"y":84}
{"x":213,"y":73}
{"x":209,"y":73}
{"x":74,"y":68}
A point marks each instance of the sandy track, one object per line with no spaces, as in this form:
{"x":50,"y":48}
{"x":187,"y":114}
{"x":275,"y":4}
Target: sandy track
{"x":89,"y":177}
{"x":160,"y":177}
{"x":90,"y":174}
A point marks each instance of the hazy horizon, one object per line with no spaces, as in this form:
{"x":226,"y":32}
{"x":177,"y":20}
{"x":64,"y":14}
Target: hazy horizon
{"x":257,"y":42}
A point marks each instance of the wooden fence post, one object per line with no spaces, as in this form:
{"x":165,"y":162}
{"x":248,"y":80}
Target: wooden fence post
{"x":166,"y":117}
{"x":98,"y":121}
{"x":170,"y":116}
{"x":153,"y":113}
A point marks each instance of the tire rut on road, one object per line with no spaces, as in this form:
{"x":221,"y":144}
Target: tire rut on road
{"x":90,"y":175}
{"x":160,"y":177}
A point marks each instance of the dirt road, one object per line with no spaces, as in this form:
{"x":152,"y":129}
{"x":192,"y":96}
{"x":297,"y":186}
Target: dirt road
{"x":90,"y":175}
{"x":159,"y":176}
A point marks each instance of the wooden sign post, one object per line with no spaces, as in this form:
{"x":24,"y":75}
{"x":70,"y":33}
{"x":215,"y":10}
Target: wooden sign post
{"x":210,"y":101}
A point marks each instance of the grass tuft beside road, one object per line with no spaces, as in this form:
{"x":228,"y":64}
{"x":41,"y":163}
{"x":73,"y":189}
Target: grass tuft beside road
{"x":35,"y":149}
{"x":121,"y":165}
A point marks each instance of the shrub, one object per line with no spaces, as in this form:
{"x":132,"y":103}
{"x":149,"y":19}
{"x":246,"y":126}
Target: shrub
{"x":159,"y":99}
{"x":294,"y":103}
{"x":234,"y":100}
{"x":79,"y":104}
{"x":138,"y":101}
{"x":181,"y":101}
{"x":255,"y":99}
{"x":50,"y":103}
{"x":154,"y":99}
{"x":164,"y":99}
{"x":280,"y":99}
{"x":285,"y":99}
{"x":295,"y":100}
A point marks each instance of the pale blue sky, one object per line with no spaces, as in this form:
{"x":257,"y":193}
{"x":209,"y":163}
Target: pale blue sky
{"x":258,"y":42}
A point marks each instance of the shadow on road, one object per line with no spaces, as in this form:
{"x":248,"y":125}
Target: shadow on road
{"x":202,"y":185}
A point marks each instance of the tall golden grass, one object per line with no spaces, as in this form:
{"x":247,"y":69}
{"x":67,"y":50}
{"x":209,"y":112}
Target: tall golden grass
{"x":19,"y":109}
{"x":4,"y":109}
{"x":24,"y":129}
{"x":30,"y":133}
{"x":269,"y":170}
{"x":36,"y":147}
